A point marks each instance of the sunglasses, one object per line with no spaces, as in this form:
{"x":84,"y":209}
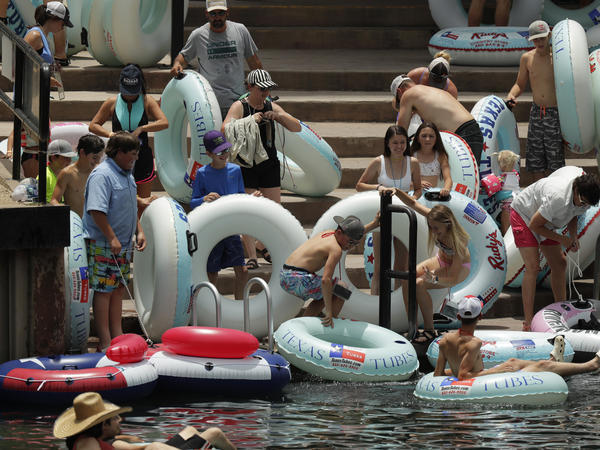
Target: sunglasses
{"x":221,"y":152}
{"x":219,"y":12}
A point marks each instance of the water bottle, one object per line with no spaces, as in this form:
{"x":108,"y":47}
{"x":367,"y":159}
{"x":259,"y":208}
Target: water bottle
{"x":61,"y":89}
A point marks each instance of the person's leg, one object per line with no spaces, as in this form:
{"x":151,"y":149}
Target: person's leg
{"x":272,"y":193}
{"x":30,"y":167}
{"x":502,"y":13}
{"x":475,"y":12}
{"x":249,"y":241}
{"x":504,"y":220}
{"x":531,"y":259}
{"x":400,"y":260}
{"x":212,"y":277}
{"x":376,"y":262}
{"x":554,"y":145}
{"x":431,"y":264}
{"x":3,"y":9}
{"x":217,"y":438}
{"x":425,"y":305}
{"x":563,"y":369}
{"x":241,"y":278}
{"x":314,"y":308}
{"x":558,"y":270}
{"x":60,"y":47}
{"x":101,"y":305}
{"x":115,"y":312}
{"x":535,"y":155}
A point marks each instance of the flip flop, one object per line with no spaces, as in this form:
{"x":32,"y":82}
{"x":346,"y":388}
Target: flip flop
{"x":425,"y":336}
{"x":264,"y":253}
{"x":252,"y":264}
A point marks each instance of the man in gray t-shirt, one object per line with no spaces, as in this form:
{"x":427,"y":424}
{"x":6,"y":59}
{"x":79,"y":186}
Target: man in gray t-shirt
{"x":219,"y":48}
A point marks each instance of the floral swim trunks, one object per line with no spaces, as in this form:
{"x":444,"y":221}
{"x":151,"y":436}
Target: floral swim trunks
{"x":104,"y":273}
{"x":300,"y":282}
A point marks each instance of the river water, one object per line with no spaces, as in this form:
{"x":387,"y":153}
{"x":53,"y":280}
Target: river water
{"x":313,"y":414}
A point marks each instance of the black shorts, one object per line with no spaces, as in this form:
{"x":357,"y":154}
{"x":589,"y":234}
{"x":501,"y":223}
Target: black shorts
{"x":264,"y":175}
{"x":194,"y":442}
{"x":471,"y":133}
{"x":143,"y":172}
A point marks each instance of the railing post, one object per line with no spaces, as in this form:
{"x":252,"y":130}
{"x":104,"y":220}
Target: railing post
{"x":385,"y":262}
{"x":177,"y":23}
{"x":44,"y":131}
{"x":18,"y":104}
{"x":596,"y":289}
{"x":246,"y":297}
{"x":216,"y":295}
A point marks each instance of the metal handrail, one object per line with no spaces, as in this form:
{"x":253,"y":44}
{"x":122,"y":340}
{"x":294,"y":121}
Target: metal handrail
{"x":265,"y":286}
{"x":596,"y":289}
{"x":216,"y":295}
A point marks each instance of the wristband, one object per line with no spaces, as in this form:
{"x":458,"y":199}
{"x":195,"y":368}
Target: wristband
{"x":378,"y":186}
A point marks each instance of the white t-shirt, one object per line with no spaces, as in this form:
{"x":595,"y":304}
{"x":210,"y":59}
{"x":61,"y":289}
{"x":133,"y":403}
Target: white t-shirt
{"x":552,"y":197}
{"x":221,"y":58}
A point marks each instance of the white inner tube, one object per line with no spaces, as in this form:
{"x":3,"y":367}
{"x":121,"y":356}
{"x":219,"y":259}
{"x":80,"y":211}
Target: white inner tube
{"x":100,"y":33}
{"x":587,"y":16}
{"x":162,"y":272}
{"x":451,"y":13}
{"x":268,"y":222}
{"x":186,"y":100}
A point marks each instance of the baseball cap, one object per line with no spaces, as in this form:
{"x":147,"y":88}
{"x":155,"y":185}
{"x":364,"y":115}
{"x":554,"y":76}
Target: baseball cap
{"x":538,"y":29}
{"x":260,"y":78}
{"x":130,"y":80}
{"x":215,"y":142}
{"x":439,"y":69}
{"x":469,"y":307}
{"x":62,"y":148}
{"x":60,"y":11}
{"x":351,"y":226}
{"x":397,"y":82}
{"x":216,"y":4}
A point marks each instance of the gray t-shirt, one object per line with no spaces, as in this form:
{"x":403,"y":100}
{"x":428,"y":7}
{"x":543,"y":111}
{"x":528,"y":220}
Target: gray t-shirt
{"x":221,"y":57}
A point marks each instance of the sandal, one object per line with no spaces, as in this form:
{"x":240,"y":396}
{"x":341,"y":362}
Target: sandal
{"x":64,"y":62}
{"x":425,"y":336}
{"x":252,"y":264}
{"x":526,"y":326}
{"x":264,"y":253}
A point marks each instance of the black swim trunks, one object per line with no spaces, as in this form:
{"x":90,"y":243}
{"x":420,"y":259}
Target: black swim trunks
{"x":471,"y":133}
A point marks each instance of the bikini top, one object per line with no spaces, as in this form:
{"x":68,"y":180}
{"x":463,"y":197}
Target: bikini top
{"x":431,"y":168}
{"x":444,"y":248}
{"x":401,"y":183}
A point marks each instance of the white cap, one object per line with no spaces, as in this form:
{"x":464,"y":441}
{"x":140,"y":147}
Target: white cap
{"x":62,"y":148}
{"x":397,"y":82}
{"x":440,"y":66}
{"x":216,"y":4}
{"x":469,"y":307}
{"x":538,"y":29}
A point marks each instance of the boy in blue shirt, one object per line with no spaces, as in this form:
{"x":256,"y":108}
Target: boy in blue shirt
{"x":213,"y":181}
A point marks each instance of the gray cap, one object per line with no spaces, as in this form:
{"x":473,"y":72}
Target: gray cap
{"x":538,"y":29}
{"x":351,"y":226}
{"x":397,"y":82}
{"x":62,"y":148}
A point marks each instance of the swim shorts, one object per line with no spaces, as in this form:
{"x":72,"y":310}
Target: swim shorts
{"x":194,"y":442}
{"x":227,"y":253}
{"x":104,"y":273}
{"x":263,"y":175}
{"x":544,"y":140}
{"x":143,"y":171}
{"x":300,"y":282}
{"x":523,"y":235}
{"x":471,"y":133}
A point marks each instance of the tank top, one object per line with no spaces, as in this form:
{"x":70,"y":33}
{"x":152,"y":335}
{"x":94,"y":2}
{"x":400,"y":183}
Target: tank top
{"x":45,"y":51}
{"x":266,"y":127}
{"x":123,"y":119}
{"x":401,"y":183}
{"x":431,"y":168}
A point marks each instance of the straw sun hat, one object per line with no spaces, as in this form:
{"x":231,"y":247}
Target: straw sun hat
{"x":88,"y":410}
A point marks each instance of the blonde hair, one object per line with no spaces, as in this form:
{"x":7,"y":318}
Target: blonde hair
{"x":507,"y":160}
{"x":459,"y":238}
{"x":443,"y":54}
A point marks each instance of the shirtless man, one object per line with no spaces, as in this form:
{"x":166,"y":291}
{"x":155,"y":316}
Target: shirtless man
{"x":462,"y":351}
{"x":298,"y":275}
{"x":71,"y":180}
{"x":437,"y":106}
{"x":545,"y":151}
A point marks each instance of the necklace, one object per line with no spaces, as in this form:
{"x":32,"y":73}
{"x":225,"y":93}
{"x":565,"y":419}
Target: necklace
{"x":392,"y":169}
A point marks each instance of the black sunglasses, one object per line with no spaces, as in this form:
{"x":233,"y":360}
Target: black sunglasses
{"x":218,"y":12}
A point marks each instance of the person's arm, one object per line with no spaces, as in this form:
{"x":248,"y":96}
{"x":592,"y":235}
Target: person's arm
{"x":452,"y":90}
{"x":415,"y":176}
{"x":440,"y":365}
{"x":406,"y":110}
{"x":522,"y":79}
{"x":374,"y":223}
{"x":199,"y":191}
{"x":409,"y":201}
{"x":537,"y":226}
{"x":103,"y":114}
{"x":236,"y":111}
{"x":285,"y":119}
{"x":160,"y":121}
{"x":59,"y":189}
{"x":254,"y":62}
{"x":178,"y":65}
{"x":140,"y":241}
{"x":446,"y":175}
{"x":101,"y":220}
{"x":467,"y":363}
{"x":572,"y":229}
{"x":370,"y":174}
{"x":327,"y":284}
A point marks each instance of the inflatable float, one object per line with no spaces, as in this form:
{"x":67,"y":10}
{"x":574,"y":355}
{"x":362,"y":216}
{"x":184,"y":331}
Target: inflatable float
{"x":77,"y":292}
{"x":348,"y":351}
{"x":576,"y":321}
{"x":209,"y":342}
{"x":499,"y":128}
{"x":573,"y":84}
{"x":482,"y":46}
{"x":308,"y":164}
{"x":266,"y":221}
{"x":187,"y":99}
{"x":499,"y":346}
{"x":488,"y":256}
{"x":593,"y":39}
{"x":451,"y":13}
{"x":594,"y":60}
{"x":587,"y":16}
{"x":162,"y":273}
{"x":516,"y":388}
{"x":57,"y":380}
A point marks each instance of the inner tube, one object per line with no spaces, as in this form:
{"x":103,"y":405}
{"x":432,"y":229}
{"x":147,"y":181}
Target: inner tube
{"x":593,"y":41}
{"x":74,"y":32}
{"x":499,"y":128}
{"x":488,"y":256}
{"x":162,"y":272}
{"x":573,"y":83}
{"x":100,"y":33}
{"x":308,"y":164}
{"x":500,"y":345}
{"x":516,"y":388}
{"x":127,"y":348}
{"x":268,"y":222}
{"x":587,"y":16}
{"x":482,"y":46}
{"x":575,"y":320}
{"x":451,"y":13}
{"x":188,"y":99}
{"x":209,"y":342}
{"x":20,"y":15}
{"x":348,"y":351}
{"x":594,"y":60}
{"x":77,"y":291}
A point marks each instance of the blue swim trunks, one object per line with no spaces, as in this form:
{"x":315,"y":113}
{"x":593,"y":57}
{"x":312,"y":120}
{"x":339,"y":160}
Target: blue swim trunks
{"x":227,"y":253}
{"x":300,"y":282}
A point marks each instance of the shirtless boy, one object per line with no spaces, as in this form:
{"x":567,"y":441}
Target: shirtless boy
{"x":71,"y":180}
{"x":545,"y":151}
{"x":298,"y":275}
{"x":437,"y":106}
{"x":462,"y":351}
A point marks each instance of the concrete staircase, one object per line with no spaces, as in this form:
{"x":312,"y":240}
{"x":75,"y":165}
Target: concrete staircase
{"x":334,"y":61}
